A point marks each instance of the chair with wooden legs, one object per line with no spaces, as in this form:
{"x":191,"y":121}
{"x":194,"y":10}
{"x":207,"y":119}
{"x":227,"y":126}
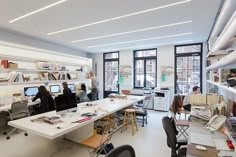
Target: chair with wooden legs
{"x":130,"y":119}
{"x":97,"y":142}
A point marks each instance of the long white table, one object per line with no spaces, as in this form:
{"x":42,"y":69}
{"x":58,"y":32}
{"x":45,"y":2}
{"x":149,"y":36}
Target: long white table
{"x":196,"y":127}
{"x":103,"y":108}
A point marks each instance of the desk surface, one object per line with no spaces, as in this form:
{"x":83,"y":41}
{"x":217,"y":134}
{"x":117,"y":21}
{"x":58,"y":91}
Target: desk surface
{"x":103,"y":107}
{"x":199,"y":128}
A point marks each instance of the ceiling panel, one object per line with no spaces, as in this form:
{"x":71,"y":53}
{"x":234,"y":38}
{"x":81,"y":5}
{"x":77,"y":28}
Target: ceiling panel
{"x":80,"y":12}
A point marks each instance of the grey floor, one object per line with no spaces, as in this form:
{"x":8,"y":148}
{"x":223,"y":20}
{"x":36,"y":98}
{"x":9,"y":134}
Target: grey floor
{"x":149,"y":141}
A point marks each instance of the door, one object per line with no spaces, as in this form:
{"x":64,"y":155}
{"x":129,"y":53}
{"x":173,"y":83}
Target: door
{"x":111,"y":73}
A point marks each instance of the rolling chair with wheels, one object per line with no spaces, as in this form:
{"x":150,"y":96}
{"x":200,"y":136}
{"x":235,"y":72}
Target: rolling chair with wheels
{"x":122,"y":151}
{"x":171,"y":132}
{"x":18,"y":110}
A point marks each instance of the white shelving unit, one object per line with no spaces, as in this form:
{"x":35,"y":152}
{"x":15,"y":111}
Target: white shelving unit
{"x":225,"y":61}
{"x":219,"y":85}
{"x":28,"y":58}
{"x":225,"y":50}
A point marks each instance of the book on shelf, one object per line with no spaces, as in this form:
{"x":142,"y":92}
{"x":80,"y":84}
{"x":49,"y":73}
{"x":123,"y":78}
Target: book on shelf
{"x":56,"y":75}
{"x":44,"y":76}
{"x":219,"y":75}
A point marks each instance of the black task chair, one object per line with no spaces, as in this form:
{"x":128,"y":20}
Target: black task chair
{"x":47,"y":104}
{"x":171,"y":132}
{"x":122,"y":151}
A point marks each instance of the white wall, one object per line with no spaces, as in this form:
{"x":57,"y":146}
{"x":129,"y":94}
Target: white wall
{"x":165,"y":57}
{"x":98,"y":60}
{"x":15,"y":37}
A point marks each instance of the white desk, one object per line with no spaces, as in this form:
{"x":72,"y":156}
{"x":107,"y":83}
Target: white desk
{"x":51,"y":132}
{"x":199,"y":128}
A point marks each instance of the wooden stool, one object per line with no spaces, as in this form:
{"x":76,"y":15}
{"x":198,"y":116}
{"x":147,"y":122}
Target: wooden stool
{"x":129,"y":118}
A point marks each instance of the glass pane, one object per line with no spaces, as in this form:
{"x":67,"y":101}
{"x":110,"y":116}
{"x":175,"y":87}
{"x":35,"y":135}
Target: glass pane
{"x":111,"y":76}
{"x":188,"y":49}
{"x":139,"y":66}
{"x":150,"y":66}
{"x":150,"y":80}
{"x":188,"y":73}
{"x":139,"y":80}
{"x":111,"y":55}
{"x":146,"y":53}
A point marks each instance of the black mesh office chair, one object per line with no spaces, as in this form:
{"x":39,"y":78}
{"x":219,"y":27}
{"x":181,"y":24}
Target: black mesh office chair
{"x":47,"y":104}
{"x":171,"y":132}
{"x":122,"y":151}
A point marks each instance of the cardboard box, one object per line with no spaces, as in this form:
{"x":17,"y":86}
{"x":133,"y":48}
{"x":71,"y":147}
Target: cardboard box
{"x":12,"y":65}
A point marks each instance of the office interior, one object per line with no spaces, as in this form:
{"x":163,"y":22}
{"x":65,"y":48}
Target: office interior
{"x":145,"y":57}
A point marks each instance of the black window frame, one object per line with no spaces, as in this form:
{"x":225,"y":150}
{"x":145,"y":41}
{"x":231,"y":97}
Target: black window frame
{"x":144,"y":58}
{"x":111,"y":59}
{"x":188,"y":54}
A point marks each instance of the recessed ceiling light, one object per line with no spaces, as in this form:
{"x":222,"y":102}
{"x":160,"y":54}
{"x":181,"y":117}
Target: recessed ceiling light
{"x":119,"y":17}
{"x":135,"y":31}
{"x":134,"y":47}
{"x":132,"y":41}
{"x":36,"y":11}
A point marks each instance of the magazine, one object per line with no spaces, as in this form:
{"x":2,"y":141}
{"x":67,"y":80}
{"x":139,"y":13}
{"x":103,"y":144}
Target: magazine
{"x":50,"y":120}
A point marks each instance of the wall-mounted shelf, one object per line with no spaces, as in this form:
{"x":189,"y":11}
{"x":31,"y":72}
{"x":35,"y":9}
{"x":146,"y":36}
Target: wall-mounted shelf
{"x":225,"y":61}
{"x":42,"y":82}
{"x":36,"y":70}
{"x":226,"y":35}
{"x":230,"y":89}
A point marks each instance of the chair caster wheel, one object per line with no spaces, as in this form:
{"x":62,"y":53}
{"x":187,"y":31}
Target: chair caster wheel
{"x":142,"y":125}
{"x":26,"y":134}
{"x":8,"y":138}
{"x":4,"y":133}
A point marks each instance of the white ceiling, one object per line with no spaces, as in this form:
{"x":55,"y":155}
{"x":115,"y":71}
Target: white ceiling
{"x":72,"y":13}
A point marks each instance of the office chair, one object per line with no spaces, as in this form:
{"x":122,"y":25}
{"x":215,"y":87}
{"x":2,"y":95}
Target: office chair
{"x":97,"y":142}
{"x":18,"y":110}
{"x":47,"y":104}
{"x":171,"y":132}
{"x":122,"y":151}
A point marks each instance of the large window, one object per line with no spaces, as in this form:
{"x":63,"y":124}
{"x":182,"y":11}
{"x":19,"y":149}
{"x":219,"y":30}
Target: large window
{"x":145,"y":68}
{"x":111,"y":73}
{"x":188,"y":67}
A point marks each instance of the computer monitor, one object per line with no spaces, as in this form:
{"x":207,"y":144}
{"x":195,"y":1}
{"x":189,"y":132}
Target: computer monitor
{"x":66,"y":104}
{"x":31,"y":91}
{"x":55,"y":88}
{"x":72,"y":87}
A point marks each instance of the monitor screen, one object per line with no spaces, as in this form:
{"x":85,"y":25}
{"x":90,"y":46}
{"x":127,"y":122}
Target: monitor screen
{"x":31,"y":91}
{"x":55,"y":88}
{"x":65,"y":102}
{"x":72,"y":87}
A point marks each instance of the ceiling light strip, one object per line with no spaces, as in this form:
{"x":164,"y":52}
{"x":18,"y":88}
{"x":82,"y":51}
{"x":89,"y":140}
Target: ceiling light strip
{"x":135,"y":31}
{"x":132,"y":41}
{"x":123,"y":48}
{"x":36,"y":11}
{"x":119,"y":17}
